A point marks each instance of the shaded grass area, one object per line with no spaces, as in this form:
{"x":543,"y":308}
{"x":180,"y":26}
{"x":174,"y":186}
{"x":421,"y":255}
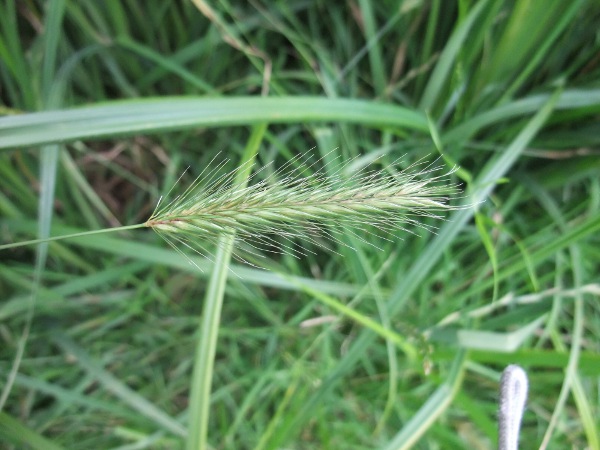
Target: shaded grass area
{"x":106,"y":103}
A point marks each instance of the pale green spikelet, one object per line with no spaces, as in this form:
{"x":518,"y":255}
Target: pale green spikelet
{"x":281,"y":209}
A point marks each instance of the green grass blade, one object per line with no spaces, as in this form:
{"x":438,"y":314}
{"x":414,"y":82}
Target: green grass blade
{"x":48,"y":168}
{"x":569,"y":99}
{"x":512,"y":266}
{"x":14,"y":432}
{"x":168,"y":64}
{"x":375,"y":57}
{"x":437,"y":403}
{"x":120,"y":389}
{"x":211,"y":317}
{"x":440,"y":76}
{"x":485,"y":183}
{"x":72,"y":397}
{"x":365,"y":321}
{"x":556,"y":28}
{"x":572,"y":382}
{"x":129,"y":117}
{"x":589,"y":362}
{"x":52,"y":30}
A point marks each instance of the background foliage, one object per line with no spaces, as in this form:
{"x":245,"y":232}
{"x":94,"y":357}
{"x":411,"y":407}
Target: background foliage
{"x":106,"y":103}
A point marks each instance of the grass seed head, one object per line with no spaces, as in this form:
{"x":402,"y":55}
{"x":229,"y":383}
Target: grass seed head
{"x":282,"y":209}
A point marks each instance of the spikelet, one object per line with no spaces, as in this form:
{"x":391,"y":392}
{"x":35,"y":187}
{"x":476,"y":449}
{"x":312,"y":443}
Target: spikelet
{"x":286,"y":211}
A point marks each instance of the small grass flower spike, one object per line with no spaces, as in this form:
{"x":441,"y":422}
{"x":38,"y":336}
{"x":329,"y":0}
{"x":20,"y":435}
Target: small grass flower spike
{"x":286,"y":211}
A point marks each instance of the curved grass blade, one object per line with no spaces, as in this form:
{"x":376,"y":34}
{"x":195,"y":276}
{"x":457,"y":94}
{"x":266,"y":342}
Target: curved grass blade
{"x":129,"y":117}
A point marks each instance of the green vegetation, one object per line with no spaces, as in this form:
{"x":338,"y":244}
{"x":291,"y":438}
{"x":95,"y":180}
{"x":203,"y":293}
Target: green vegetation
{"x":114,"y":339}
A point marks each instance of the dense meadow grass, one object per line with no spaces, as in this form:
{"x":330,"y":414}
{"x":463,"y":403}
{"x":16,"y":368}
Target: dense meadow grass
{"x":348,"y":340}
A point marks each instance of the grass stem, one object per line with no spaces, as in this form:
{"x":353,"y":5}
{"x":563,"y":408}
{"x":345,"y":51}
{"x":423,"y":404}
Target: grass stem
{"x":70,"y":236}
{"x":211,"y":317}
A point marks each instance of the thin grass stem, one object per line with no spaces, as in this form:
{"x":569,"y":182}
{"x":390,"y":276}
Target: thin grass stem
{"x":71,"y":236}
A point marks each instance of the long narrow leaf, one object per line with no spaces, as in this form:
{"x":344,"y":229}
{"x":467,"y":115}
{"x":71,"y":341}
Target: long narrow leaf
{"x":129,"y":117}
